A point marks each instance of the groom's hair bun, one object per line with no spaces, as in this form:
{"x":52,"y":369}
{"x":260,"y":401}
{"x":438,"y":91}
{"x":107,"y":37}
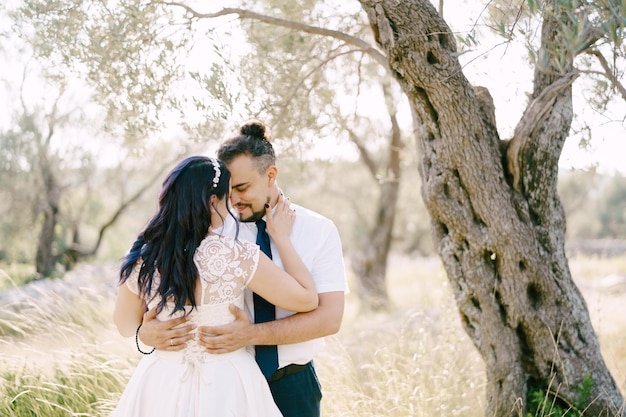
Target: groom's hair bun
{"x":255,"y":129}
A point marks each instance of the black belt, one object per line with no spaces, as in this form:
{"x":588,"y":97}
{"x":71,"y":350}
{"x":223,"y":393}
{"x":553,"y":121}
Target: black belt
{"x":287,"y":370}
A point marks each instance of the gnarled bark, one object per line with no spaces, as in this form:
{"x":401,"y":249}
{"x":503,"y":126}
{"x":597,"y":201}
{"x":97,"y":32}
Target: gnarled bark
{"x":499,"y":228}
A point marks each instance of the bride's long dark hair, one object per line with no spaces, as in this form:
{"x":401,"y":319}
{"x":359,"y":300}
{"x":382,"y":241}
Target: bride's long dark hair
{"x":168,"y":242}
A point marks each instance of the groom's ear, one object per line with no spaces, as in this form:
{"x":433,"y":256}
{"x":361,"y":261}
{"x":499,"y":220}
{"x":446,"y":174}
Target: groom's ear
{"x":272,"y":174}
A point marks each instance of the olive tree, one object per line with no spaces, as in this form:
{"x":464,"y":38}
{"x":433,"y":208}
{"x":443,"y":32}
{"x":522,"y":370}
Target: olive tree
{"x":496,"y":217}
{"x":55,"y":183}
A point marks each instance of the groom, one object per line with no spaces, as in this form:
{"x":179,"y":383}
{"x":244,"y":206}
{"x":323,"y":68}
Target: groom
{"x":293,"y":338}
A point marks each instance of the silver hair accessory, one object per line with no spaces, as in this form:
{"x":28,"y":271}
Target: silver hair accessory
{"x":218,"y":172}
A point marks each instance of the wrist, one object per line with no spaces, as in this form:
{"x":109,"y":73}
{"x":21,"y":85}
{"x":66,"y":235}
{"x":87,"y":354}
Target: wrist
{"x":281,"y":241}
{"x":143,"y":350}
{"x":259,"y":334}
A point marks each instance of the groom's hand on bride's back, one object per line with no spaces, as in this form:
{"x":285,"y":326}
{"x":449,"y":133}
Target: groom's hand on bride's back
{"x":162,"y":334}
{"x":228,"y":337}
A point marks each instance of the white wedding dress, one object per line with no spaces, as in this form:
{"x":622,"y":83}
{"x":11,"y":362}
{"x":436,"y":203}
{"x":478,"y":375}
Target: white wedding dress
{"x":192,"y":382}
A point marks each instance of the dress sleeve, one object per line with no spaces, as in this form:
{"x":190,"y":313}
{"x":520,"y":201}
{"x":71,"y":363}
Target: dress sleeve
{"x":224,"y":261}
{"x":249,"y":254}
{"x":131,"y":282}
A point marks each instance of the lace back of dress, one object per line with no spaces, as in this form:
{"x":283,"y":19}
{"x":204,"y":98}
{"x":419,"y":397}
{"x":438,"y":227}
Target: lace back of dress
{"x":225,"y":268}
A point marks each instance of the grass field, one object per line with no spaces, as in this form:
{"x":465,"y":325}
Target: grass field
{"x":60,"y":355}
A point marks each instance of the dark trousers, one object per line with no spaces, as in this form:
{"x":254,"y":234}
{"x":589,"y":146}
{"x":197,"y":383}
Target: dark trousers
{"x":299,"y":394}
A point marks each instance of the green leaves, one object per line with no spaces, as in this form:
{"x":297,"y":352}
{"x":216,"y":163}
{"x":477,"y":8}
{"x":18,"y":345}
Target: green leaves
{"x":127,"y":51}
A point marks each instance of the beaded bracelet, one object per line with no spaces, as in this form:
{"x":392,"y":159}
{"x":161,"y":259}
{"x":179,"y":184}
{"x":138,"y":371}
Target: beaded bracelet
{"x":137,"y":342}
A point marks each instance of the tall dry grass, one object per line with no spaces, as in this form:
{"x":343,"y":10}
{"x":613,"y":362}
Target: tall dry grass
{"x":61,"y":356}
{"x":413,"y":361}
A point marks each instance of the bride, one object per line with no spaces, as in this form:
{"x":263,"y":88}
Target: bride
{"x":181,"y":265}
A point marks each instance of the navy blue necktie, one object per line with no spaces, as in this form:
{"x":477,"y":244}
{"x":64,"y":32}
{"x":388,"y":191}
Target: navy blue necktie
{"x":266,"y":355}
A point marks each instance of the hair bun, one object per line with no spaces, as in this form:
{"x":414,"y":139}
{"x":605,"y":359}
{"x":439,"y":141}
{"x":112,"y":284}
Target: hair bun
{"x":256,"y":129}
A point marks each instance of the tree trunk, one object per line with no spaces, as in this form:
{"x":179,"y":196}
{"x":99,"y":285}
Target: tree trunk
{"x":45,"y":259}
{"x":499,"y":228}
{"x":370,"y":264}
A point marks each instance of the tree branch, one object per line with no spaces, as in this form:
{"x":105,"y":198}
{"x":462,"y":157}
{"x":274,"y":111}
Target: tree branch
{"x":311,"y":72}
{"x":608,"y":73}
{"x":314,"y":30}
{"x":531,"y":120}
{"x":76,"y":252}
{"x":395,"y":144}
{"x":365,"y":156}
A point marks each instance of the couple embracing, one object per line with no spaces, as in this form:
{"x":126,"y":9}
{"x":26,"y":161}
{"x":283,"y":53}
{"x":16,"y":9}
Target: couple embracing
{"x":229,"y":312}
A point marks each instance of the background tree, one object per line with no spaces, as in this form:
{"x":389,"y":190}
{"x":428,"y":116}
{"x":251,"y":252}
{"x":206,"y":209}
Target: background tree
{"x":29,"y":152}
{"x":51,"y":170}
{"x":52,"y":189}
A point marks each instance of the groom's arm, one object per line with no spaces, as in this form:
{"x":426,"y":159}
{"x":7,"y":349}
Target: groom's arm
{"x":323,"y":321}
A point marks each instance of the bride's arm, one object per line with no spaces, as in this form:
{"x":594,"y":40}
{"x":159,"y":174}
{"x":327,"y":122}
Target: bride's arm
{"x":292,"y":289}
{"x":128,"y":313}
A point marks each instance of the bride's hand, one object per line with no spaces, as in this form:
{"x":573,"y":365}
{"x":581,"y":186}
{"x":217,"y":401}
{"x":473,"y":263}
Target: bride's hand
{"x":169,"y":335}
{"x":280,"y":224}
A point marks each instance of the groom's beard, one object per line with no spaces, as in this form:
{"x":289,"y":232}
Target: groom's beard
{"x":255,"y":216}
